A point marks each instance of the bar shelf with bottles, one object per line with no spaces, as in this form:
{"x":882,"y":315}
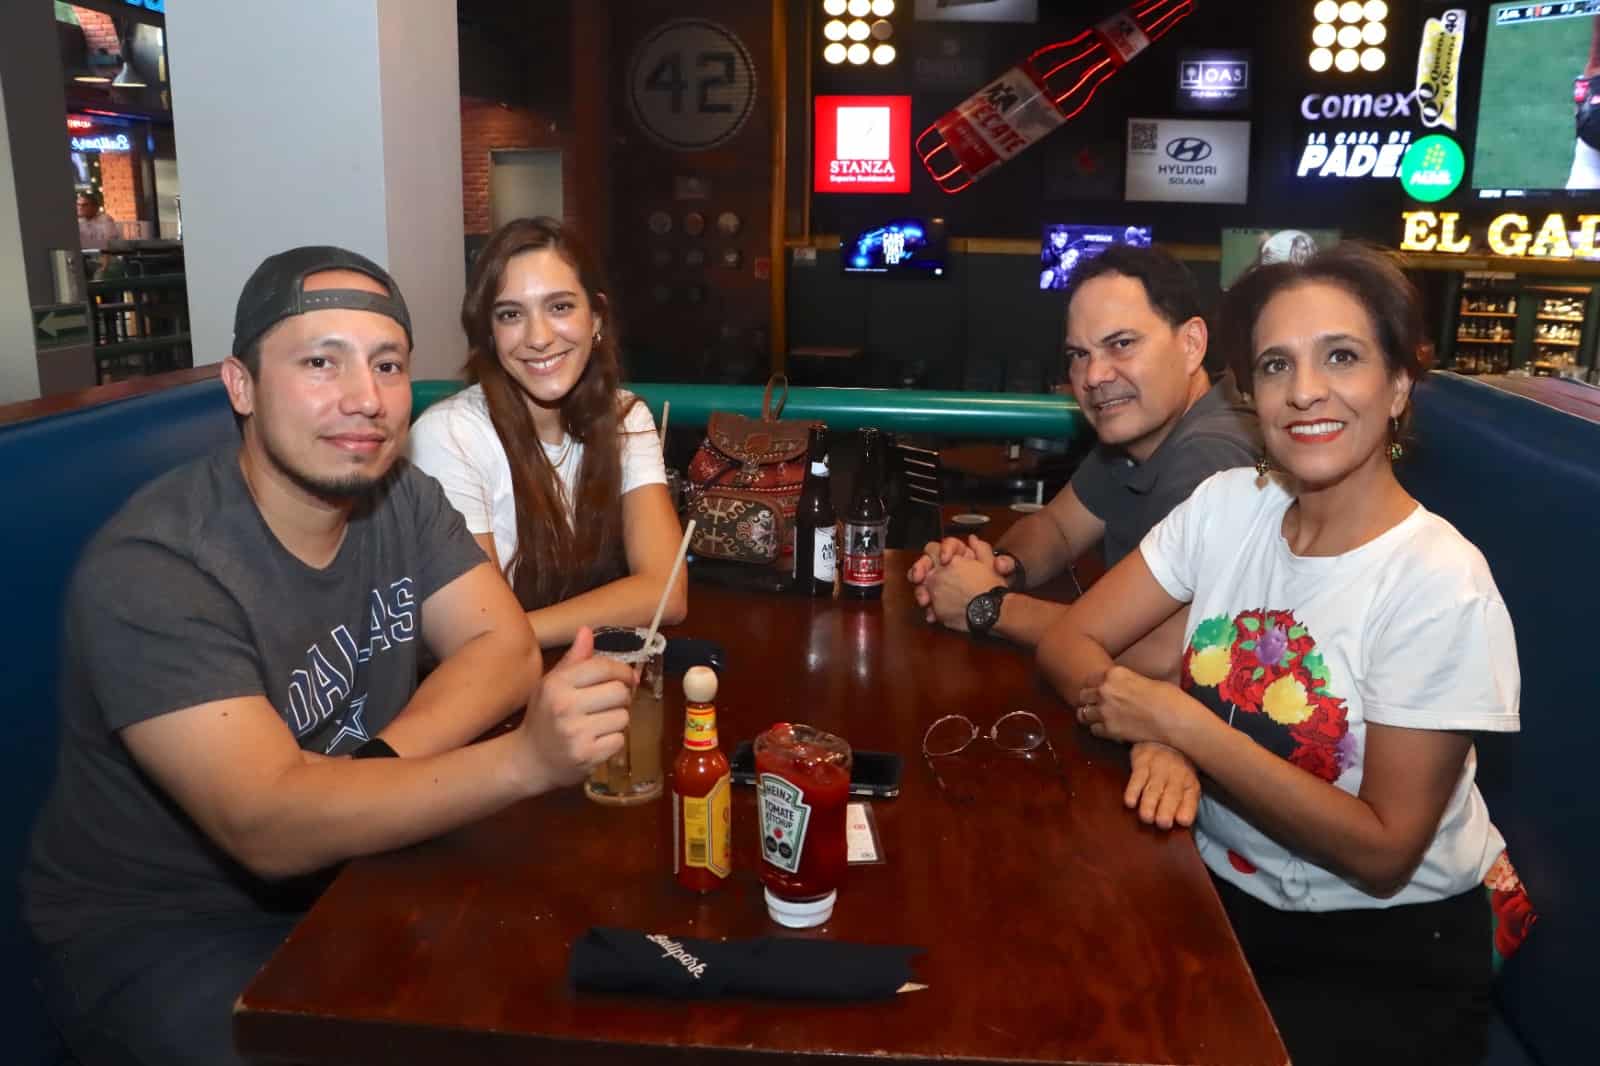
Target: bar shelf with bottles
{"x":1556,"y":344}
{"x":1486,"y":330}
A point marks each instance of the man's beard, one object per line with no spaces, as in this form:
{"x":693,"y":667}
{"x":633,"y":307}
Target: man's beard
{"x":333,"y":489}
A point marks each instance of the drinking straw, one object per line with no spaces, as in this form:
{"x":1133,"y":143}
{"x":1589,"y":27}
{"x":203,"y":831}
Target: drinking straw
{"x":666,"y":410}
{"x":677,"y":564}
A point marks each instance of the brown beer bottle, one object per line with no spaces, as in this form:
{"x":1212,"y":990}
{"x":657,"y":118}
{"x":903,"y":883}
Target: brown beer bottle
{"x":865,"y":526}
{"x":702,"y":848}
{"x":815,"y":532}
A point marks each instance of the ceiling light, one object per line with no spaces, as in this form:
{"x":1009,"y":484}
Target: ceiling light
{"x":1350,"y":11}
{"x":1346,"y":59}
{"x":833,"y":7}
{"x":860,"y":8}
{"x":1327,"y":11}
{"x":1376,"y":10}
{"x":1321,"y":60}
{"x":1324,"y":35}
{"x":1372,"y":59}
{"x":881,"y":30}
{"x":857,"y":30}
{"x":858,"y":54}
{"x":883,"y":8}
{"x":1349,"y":37}
{"x":91,"y":79}
{"x":883,"y":55}
{"x":834,"y":54}
{"x":1374,"y":33}
{"x":834,"y":30}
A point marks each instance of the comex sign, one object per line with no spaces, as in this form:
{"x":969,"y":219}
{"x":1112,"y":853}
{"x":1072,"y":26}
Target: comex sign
{"x":1367,"y":153}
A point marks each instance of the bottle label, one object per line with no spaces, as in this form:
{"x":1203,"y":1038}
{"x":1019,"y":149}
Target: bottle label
{"x":823,"y":563}
{"x":863,"y":553}
{"x":1000,"y":120}
{"x":1123,"y":36}
{"x":700,"y":729}
{"x":707,"y":841}
{"x":784,"y":817}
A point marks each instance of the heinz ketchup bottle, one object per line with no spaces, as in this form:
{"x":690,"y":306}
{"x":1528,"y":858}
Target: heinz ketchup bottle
{"x":802,"y":787}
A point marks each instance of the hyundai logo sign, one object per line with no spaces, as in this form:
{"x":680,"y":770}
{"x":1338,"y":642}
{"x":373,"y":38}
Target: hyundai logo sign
{"x":1188,"y":149}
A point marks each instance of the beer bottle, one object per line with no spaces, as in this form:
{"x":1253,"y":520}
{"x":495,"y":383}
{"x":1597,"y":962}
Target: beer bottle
{"x":702,"y":849}
{"x":814,"y":525}
{"x":865,"y":526}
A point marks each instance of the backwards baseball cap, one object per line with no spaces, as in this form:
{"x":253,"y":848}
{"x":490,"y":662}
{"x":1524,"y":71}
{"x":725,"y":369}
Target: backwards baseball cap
{"x":276,"y":291}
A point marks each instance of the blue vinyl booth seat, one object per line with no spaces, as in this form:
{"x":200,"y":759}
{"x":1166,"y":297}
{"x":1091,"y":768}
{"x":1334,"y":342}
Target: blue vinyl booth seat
{"x":1520,"y":480}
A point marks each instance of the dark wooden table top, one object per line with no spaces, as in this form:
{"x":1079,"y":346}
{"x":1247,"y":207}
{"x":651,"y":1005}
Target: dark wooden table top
{"x":1056,"y":927}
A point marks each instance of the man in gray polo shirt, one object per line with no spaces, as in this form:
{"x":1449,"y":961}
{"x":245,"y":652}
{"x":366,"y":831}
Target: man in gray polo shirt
{"x":1135,"y":349}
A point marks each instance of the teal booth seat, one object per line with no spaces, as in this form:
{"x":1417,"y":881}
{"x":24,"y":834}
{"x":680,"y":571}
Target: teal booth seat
{"x":988,"y":415}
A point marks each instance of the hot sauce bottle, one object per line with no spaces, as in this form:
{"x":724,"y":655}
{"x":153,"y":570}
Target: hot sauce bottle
{"x":802,"y":789}
{"x":701,"y":814}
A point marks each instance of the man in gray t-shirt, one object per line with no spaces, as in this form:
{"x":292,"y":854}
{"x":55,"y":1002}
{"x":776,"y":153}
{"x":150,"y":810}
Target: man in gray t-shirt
{"x":1135,"y":350}
{"x":240,"y":704}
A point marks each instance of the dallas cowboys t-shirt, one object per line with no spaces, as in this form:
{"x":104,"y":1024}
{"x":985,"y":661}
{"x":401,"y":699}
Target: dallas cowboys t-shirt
{"x":186,"y":597}
{"x":1301,"y":652}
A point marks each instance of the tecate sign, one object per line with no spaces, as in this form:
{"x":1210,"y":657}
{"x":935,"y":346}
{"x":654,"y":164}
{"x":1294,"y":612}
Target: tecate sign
{"x":1186,"y":160}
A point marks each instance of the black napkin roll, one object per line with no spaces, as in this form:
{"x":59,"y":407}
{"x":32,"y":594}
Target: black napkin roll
{"x":625,"y":960}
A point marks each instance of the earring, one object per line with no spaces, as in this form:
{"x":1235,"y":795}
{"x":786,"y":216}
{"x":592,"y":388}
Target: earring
{"x":1396,"y":449}
{"x":596,"y":339}
{"x":1263,"y":465}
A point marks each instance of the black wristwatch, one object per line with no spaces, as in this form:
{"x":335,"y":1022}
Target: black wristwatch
{"x":1019,"y":573}
{"x":983,"y":610}
{"x":376,"y":748}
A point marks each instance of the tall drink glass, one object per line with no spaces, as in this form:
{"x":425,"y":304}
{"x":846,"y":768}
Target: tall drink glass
{"x":633,"y":775}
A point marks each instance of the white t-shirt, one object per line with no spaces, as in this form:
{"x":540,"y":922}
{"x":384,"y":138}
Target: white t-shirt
{"x":1300,"y":653}
{"x":455,"y":441}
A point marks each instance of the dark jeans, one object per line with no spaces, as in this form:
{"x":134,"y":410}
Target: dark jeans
{"x":1405,"y":985}
{"x":159,"y":994}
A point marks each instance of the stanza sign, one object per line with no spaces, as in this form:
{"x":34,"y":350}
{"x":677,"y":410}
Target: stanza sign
{"x":863,"y":144}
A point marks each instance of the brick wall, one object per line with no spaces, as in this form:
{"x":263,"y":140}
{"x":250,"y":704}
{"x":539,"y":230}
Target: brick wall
{"x":485,"y":126}
{"x":119,"y":185}
{"x":99,"y":31}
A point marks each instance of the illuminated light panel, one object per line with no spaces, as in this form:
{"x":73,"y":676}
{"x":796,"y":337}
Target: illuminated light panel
{"x":1372,"y":59}
{"x":833,"y":7}
{"x":1324,"y":35}
{"x":1350,"y":11}
{"x":857,"y":30}
{"x":834,"y":53}
{"x":858,"y":54}
{"x":1349,"y":37}
{"x":1346,"y":60}
{"x":860,"y":8}
{"x":883,"y":8}
{"x":1327,"y":11}
{"x":1376,"y":10}
{"x":834,"y":30}
{"x":881,"y":30}
{"x":1321,"y":60}
{"x":883,"y":55}
{"x":1374,"y":33}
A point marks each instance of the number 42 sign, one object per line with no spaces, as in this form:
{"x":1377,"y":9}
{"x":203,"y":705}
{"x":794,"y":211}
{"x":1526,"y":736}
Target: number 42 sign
{"x":691,"y":85}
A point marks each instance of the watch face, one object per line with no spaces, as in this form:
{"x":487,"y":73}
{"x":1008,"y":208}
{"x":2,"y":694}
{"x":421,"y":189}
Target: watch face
{"x":983,"y":610}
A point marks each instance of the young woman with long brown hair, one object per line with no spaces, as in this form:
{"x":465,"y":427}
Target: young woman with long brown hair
{"x":556,"y":469}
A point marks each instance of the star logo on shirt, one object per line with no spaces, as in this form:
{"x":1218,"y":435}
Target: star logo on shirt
{"x":351,"y":726}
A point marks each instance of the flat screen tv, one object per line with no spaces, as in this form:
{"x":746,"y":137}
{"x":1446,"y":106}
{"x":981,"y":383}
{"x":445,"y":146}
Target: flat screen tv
{"x":1246,"y":248}
{"x":1526,"y":143}
{"x":1064,"y":246}
{"x":899,"y":247}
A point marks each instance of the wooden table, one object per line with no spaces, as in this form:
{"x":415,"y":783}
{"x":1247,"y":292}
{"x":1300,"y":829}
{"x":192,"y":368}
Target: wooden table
{"x":1057,"y":928}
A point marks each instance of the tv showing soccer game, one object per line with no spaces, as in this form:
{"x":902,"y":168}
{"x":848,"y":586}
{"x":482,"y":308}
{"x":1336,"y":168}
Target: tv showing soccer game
{"x":1538,"y":130}
{"x":1064,"y":246}
{"x":1246,"y":248}
{"x":899,"y":247}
